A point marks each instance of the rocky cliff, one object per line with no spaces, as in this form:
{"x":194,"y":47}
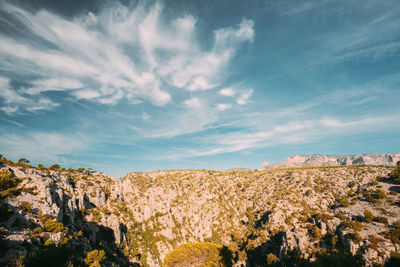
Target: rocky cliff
{"x":59,"y":217}
{"x":388,"y":159}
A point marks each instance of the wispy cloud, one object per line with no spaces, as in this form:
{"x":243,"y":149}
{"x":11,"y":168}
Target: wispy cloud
{"x":227,"y":92}
{"x":244,"y":97}
{"x":93,"y":56}
{"x":43,"y":146}
{"x":295,"y":132}
{"x":224,"y":106}
{"x":14,"y":99}
{"x":193,"y":103}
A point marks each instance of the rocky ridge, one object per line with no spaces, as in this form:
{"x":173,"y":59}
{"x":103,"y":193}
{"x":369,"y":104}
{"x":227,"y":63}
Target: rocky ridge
{"x":257,"y":215}
{"x":388,"y":159}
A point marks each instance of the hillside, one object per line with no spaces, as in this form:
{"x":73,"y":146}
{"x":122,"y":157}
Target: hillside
{"x":388,"y":159}
{"x":55,"y":217}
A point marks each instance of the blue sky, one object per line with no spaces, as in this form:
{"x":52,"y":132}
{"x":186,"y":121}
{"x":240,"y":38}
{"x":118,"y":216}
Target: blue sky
{"x":141,"y":85}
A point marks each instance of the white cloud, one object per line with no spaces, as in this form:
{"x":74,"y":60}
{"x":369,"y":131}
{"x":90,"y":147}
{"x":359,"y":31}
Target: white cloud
{"x":200,"y":83}
{"x":294,"y":132}
{"x":86,"y":94}
{"x":119,"y":53}
{"x":227,"y":92}
{"x":9,"y":109}
{"x":53,"y":84}
{"x":9,"y":95}
{"x":14,"y":100}
{"x":224,"y":106}
{"x":193,"y":103}
{"x":244,"y":97}
{"x":42,"y":104}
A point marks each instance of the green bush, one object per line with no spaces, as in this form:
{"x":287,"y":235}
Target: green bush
{"x":191,"y":254}
{"x":52,"y":226}
{"x":344,"y":202}
{"x":355,"y":237}
{"x":25,"y":206}
{"x":271,"y":258}
{"x":380,"y":194}
{"x":394,"y":233}
{"x":94,"y":258}
{"x":368,"y":216}
{"x":381,"y":219}
{"x":354,"y":225}
{"x":8,"y":184}
{"x":395,"y":174}
{"x":55,"y":167}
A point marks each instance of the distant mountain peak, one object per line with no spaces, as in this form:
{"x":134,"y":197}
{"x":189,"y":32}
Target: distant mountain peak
{"x":386,"y":159}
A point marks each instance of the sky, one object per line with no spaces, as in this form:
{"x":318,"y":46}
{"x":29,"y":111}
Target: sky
{"x":152,"y":85}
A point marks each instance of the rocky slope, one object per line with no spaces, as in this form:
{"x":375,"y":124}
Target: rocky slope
{"x":388,"y":159}
{"x":259,"y":216}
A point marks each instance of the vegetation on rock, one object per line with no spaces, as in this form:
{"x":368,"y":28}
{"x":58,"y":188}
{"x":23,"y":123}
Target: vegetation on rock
{"x":307,"y":216}
{"x":198,"y":254}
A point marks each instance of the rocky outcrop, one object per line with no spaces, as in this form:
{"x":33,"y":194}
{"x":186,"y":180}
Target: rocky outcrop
{"x":49,"y":209}
{"x":143,"y":216}
{"x":388,"y":159}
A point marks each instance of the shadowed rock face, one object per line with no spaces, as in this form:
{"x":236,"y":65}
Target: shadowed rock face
{"x":388,"y":159}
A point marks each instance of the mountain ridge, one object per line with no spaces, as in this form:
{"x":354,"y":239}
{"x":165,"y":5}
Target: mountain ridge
{"x":384,"y":159}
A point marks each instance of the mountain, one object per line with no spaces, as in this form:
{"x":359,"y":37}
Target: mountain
{"x":57,"y":217}
{"x":388,"y":159}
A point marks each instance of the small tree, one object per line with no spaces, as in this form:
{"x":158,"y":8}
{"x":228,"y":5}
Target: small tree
{"x":54,"y":167}
{"x":23,"y":161}
{"x":41,"y":166}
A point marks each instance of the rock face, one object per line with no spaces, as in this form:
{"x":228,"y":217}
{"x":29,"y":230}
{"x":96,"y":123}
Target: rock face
{"x":137,"y":220}
{"x":388,"y":159}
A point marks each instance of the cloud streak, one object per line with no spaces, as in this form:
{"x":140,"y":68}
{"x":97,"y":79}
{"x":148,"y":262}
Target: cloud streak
{"x":98,"y":57}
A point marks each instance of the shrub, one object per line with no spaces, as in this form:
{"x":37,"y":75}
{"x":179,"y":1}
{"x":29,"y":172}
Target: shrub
{"x":381,"y":219}
{"x":368,"y":216}
{"x":54,"y":167}
{"x":380,"y":194}
{"x":23,"y":162}
{"x":316,"y":233}
{"x":271,"y":258}
{"x":354,"y":225}
{"x":355,"y":237}
{"x":95,"y":257}
{"x":25,"y":206}
{"x":52,"y":226}
{"x":209,"y":254}
{"x":344,"y":202}
{"x":395,"y":174}
{"x":394,"y":233}
{"x":8,"y":184}
{"x":41,"y":167}
{"x":49,"y":242}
